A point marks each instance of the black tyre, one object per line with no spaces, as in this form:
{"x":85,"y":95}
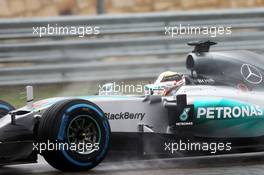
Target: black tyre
{"x":75,"y":122}
{"x":5,"y":108}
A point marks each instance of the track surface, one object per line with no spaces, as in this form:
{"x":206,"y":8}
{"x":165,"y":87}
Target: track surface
{"x":252,"y":163}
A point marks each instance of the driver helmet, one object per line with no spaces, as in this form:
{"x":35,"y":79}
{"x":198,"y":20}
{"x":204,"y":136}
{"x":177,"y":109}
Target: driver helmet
{"x":170,"y":80}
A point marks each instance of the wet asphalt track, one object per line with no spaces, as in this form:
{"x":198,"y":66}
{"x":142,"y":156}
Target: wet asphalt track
{"x":252,"y":163}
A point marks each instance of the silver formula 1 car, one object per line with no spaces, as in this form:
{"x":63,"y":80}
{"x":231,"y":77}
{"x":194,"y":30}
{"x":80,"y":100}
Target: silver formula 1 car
{"x":220,"y":107}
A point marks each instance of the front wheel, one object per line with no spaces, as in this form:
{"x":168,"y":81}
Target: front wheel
{"x":78,"y":133}
{"x":5,"y":108}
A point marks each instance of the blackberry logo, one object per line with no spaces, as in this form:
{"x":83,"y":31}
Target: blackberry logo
{"x":125,"y":116}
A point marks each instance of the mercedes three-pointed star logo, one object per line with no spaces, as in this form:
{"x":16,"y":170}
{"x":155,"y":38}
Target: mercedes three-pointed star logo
{"x":251,"y":74}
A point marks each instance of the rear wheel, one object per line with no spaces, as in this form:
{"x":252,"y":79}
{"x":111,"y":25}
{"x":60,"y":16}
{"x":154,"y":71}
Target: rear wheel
{"x":80,"y":131}
{"x":5,"y":108}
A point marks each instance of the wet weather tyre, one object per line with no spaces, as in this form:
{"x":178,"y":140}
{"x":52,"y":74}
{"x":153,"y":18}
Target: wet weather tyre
{"x":5,"y":108}
{"x":75,"y":123}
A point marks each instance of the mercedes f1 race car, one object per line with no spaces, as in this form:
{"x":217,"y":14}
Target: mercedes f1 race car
{"x":219,"y":110}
